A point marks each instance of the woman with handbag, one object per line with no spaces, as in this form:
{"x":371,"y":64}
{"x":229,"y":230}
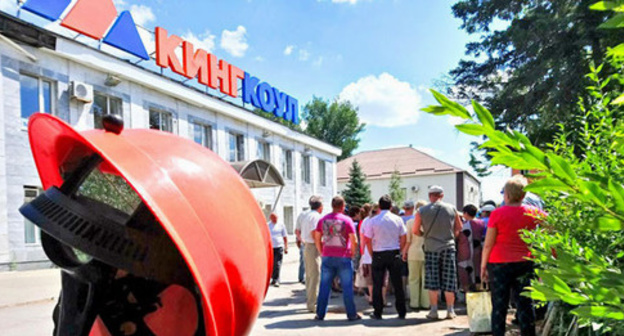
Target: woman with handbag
{"x":505,"y":262}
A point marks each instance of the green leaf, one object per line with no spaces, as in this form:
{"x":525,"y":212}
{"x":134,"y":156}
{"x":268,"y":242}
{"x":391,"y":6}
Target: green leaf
{"x":593,"y":192}
{"x":547,"y":184}
{"x":454,"y":108}
{"x":615,"y":22}
{"x":606,"y":6}
{"x":617,"y":51}
{"x":484,"y":115}
{"x":617,"y":194}
{"x":608,"y":223}
{"x":561,"y":167}
{"x":603,"y":6}
{"x":619,"y":100}
{"x":472,"y":129}
{"x":435,"y":109}
{"x":603,"y":312}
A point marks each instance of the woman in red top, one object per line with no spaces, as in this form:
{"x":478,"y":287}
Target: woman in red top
{"x":505,"y":259}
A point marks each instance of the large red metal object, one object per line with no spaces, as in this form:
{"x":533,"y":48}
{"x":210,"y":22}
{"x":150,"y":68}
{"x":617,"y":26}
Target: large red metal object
{"x":203,"y":204}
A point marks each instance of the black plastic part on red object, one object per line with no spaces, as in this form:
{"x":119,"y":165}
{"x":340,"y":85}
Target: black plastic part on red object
{"x":113,"y":123}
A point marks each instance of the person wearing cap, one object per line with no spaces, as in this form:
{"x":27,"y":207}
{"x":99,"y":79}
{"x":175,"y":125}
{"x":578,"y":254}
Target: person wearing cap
{"x":486,"y":210}
{"x":385,"y":235}
{"x":336,"y":241}
{"x":306,"y":224}
{"x":279,"y":240}
{"x":439,"y":223}
{"x":415,"y":256}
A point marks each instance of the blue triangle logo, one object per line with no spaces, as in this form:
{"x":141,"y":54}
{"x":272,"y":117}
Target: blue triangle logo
{"x":49,"y":9}
{"x":125,"y":36}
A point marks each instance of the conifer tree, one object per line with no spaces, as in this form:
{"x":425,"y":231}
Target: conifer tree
{"x":357,"y":191}
{"x":394,"y":189}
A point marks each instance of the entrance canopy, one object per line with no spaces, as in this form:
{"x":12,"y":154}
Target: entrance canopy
{"x":259,"y":174}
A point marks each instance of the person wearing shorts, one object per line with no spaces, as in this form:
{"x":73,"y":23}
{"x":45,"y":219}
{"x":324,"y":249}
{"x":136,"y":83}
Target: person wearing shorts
{"x":439,"y":224}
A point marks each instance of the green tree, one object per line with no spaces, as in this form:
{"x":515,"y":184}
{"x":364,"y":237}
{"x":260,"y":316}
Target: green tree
{"x":394,"y":189}
{"x":357,"y":192}
{"x":336,"y":123}
{"x":529,"y":64}
{"x":580,"y":247}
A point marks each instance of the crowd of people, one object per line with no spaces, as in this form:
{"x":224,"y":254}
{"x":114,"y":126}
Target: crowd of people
{"x":424,"y":250}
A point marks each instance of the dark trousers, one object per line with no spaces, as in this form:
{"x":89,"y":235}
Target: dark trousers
{"x":278,"y":254}
{"x":382,"y":262}
{"x":510,"y":278}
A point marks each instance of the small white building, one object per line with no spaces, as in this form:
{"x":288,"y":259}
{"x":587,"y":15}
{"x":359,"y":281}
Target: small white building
{"x":44,"y":71}
{"x":418,"y":171}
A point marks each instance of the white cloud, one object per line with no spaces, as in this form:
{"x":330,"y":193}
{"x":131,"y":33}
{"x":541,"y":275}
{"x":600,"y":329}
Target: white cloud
{"x":204,"y":41}
{"x":289,"y":50}
{"x":304,"y":55}
{"x":235,"y":42}
{"x":8,"y":6}
{"x":120,"y":3}
{"x":142,"y":14}
{"x":384,"y":100}
{"x":427,"y":150}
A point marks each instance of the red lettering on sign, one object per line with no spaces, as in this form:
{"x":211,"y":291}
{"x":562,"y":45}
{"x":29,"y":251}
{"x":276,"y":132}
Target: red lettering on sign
{"x":165,"y":51}
{"x":235,"y":74}
{"x":196,"y":63}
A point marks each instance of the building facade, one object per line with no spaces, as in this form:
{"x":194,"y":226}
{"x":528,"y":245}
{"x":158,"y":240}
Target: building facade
{"x":418,"y":171}
{"x":46,"y":72}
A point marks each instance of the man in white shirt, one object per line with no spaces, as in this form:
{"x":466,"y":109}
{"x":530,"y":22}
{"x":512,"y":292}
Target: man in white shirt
{"x":306,"y":224}
{"x":386,"y":235}
{"x":279,"y":240}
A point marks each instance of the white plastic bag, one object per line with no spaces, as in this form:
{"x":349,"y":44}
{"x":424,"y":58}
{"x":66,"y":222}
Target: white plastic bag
{"x":479,"y":311}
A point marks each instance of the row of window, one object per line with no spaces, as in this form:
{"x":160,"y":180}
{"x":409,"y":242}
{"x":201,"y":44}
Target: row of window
{"x":36,"y":94}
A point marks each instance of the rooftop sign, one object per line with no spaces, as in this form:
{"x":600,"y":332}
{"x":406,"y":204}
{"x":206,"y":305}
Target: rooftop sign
{"x":98,"y":20}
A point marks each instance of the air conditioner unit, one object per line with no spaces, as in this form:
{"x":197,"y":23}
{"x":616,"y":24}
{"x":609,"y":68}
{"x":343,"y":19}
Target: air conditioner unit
{"x":81,"y":92}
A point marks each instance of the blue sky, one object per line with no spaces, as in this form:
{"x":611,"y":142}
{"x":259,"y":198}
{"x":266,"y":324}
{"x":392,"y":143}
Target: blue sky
{"x":382,"y":55}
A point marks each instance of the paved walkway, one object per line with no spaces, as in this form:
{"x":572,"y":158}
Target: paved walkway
{"x":27,"y":299}
{"x":284,"y":313}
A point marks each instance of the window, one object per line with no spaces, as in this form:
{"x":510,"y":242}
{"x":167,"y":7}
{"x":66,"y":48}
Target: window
{"x":35,"y":96}
{"x":202,"y":134}
{"x":264,"y":151}
{"x":289,"y":219}
{"x":237,"y":147}
{"x":31,"y":232}
{"x":322,"y":173}
{"x":103,"y":105}
{"x":160,"y":120}
{"x":305,"y":169}
{"x":287,"y":164}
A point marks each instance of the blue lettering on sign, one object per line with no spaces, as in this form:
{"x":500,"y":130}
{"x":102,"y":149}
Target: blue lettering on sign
{"x":269,"y":99}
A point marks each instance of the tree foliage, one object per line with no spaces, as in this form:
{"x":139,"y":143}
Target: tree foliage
{"x":529,"y":64}
{"x":579,"y":250}
{"x":394,"y":188}
{"x":357,"y":192}
{"x":336,"y":123}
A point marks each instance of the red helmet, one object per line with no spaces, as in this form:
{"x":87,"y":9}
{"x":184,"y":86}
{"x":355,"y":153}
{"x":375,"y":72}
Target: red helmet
{"x":151,"y":206}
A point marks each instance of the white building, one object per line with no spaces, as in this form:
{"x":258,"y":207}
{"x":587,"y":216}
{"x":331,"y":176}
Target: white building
{"x":418,"y":171}
{"x":38,"y":69}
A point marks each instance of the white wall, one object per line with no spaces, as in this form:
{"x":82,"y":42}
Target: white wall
{"x":380,"y":187}
{"x":17,"y":168}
